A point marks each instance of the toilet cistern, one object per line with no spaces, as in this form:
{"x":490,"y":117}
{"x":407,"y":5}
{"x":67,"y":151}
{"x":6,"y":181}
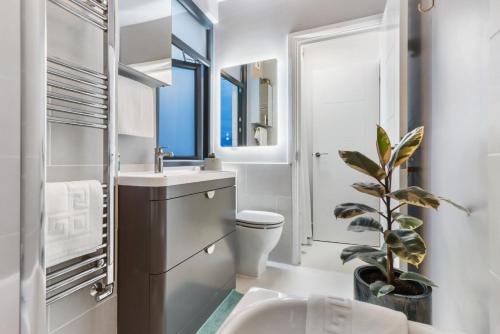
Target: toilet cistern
{"x":160,"y":153}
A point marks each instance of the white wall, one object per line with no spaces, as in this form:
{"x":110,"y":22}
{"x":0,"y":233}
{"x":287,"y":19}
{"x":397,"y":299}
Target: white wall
{"x":10,"y":166}
{"x":494,"y":163}
{"x":456,"y":166}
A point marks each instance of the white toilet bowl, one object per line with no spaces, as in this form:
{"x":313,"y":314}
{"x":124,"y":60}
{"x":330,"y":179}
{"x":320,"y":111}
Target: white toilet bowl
{"x":257,"y":232}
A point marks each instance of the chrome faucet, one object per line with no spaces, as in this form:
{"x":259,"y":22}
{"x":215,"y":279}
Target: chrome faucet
{"x":160,"y":153}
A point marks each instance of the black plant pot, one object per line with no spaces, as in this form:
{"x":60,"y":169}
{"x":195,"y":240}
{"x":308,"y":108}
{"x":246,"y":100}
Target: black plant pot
{"x":417,"y":307}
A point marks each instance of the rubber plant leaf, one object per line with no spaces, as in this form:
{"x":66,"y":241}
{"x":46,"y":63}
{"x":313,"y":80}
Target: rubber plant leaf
{"x":415,"y":196}
{"x":354,"y":252}
{"x":383,"y":146}
{"x":376,"y":260}
{"x":363,"y":224}
{"x":415,"y":277}
{"x":362,"y":164}
{"x":407,"y":222}
{"x":369,"y":188}
{"x":380,"y":288}
{"x":458,"y":206}
{"x":405,"y":149}
{"x":349,"y":210}
{"x":407,"y":245}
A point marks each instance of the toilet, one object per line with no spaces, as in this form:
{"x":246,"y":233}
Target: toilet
{"x":257,"y":232}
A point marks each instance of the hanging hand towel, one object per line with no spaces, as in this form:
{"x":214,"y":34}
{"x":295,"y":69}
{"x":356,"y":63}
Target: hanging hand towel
{"x":136,"y":108}
{"x":329,"y":315}
{"x":261,"y":135}
{"x":74,"y":220}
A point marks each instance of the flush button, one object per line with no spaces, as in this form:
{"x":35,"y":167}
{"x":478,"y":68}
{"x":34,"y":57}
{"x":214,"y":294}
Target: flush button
{"x":210,"y":194}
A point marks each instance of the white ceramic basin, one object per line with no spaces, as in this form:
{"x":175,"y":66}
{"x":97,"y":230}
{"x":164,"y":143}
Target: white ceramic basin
{"x":170,"y":177}
{"x":269,"y":312}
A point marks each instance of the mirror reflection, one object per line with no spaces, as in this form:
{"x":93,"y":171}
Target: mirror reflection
{"x":145,"y":40}
{"x":248,"y":104}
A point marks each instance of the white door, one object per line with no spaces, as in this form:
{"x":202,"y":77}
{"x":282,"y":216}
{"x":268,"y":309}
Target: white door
{"x":344,"y":102}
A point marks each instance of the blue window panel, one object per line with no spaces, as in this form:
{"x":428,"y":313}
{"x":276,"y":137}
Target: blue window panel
{"x":177,"y":113}
{"x":226,"y":106}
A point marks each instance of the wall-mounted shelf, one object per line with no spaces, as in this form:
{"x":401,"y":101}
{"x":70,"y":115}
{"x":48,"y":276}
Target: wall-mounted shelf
{"x":133,"y":74}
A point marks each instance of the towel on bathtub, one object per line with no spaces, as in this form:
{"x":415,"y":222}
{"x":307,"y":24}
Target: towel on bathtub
{"x":329,"y":315}
{"x":74,"y":220}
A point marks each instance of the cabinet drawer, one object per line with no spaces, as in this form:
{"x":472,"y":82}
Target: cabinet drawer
{"x":182,"y":299}
{"x":183,"y":226}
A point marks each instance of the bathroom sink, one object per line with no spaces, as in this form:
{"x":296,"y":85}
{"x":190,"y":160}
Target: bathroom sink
{"x":170,"y":177}
{"x":269,"y":312}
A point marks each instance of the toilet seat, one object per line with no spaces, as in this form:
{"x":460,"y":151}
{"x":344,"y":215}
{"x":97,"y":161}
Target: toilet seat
{"x":259,"y":219}
{"x":259,"y":226}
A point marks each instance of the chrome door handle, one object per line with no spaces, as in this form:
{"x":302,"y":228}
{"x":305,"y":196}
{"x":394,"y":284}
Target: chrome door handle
{"x":319,"y":154}
{"x":210,"y":194}
{"x":210,"y":249}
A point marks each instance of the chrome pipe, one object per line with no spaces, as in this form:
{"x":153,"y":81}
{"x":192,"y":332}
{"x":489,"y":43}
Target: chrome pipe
{"x":75,"y":288}
{"x":77,"y":68}
{"x":76,"y":123}
{"x":80,"y":15}
{"x":89,"y":9}
{"x":98,"y":4}
{"x":69,"y":76}
{"x":75,"y":100}
{"x":75,"y":89}
{"x":75,"y":266}
{"x":105,"y":245}
{"x":73,"y":279}
{"x":73,"y":111}
{"x":111,"y":69}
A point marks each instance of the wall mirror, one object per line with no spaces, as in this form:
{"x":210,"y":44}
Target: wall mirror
{"x":146,"y":41}
{"x":248,"y":104}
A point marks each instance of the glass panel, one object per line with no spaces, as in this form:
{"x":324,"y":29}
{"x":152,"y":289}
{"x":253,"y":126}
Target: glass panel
{"x":190,"y":31}
{"x":229,"y":113}
{"x":177,"y":114}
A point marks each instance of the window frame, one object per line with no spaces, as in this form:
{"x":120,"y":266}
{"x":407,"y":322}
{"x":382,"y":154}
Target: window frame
{"x":203,"y":67}
{"x":242,"y":104}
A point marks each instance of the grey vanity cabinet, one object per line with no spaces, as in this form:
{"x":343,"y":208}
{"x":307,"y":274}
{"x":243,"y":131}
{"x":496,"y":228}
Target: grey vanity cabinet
{"x":176,"y":255}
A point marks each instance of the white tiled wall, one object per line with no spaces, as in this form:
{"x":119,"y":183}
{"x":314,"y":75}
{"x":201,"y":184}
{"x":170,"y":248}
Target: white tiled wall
{"x":10,"y":129}
{"x":455,"y":166}
{"x":494,"y":163}
{"x":267,"y":187}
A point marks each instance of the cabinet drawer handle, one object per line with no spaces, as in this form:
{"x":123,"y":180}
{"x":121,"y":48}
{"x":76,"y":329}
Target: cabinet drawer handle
{"x":210,"y":249}
{"x":210,"y":194}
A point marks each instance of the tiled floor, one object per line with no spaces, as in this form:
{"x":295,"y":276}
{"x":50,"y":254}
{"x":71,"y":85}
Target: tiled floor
{"x":326,"y":256}
{"x":321,"y":272}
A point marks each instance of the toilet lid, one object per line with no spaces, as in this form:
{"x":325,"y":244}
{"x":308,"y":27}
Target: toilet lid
{"x":259,"y":217}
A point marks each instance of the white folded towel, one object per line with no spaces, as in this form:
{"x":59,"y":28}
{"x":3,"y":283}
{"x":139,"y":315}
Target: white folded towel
{"x":74,"y":220}
{"x":329,"y":315}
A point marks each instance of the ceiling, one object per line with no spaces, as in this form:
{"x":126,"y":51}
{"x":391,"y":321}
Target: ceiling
{"x":306,"y":13}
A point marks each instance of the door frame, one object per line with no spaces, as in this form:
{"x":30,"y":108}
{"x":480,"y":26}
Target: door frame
{"x":296,"y":43}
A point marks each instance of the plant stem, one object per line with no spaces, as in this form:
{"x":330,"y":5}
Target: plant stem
{"x":390,"y":259}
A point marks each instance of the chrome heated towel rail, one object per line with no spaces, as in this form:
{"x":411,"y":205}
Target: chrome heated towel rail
{"x":78,"y":96}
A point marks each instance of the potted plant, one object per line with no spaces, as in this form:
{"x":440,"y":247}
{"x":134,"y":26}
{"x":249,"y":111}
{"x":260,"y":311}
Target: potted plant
{"x":380,"y":283}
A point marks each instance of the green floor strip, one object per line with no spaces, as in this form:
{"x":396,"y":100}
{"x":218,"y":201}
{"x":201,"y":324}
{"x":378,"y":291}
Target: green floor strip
{"x":221,"y":313}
